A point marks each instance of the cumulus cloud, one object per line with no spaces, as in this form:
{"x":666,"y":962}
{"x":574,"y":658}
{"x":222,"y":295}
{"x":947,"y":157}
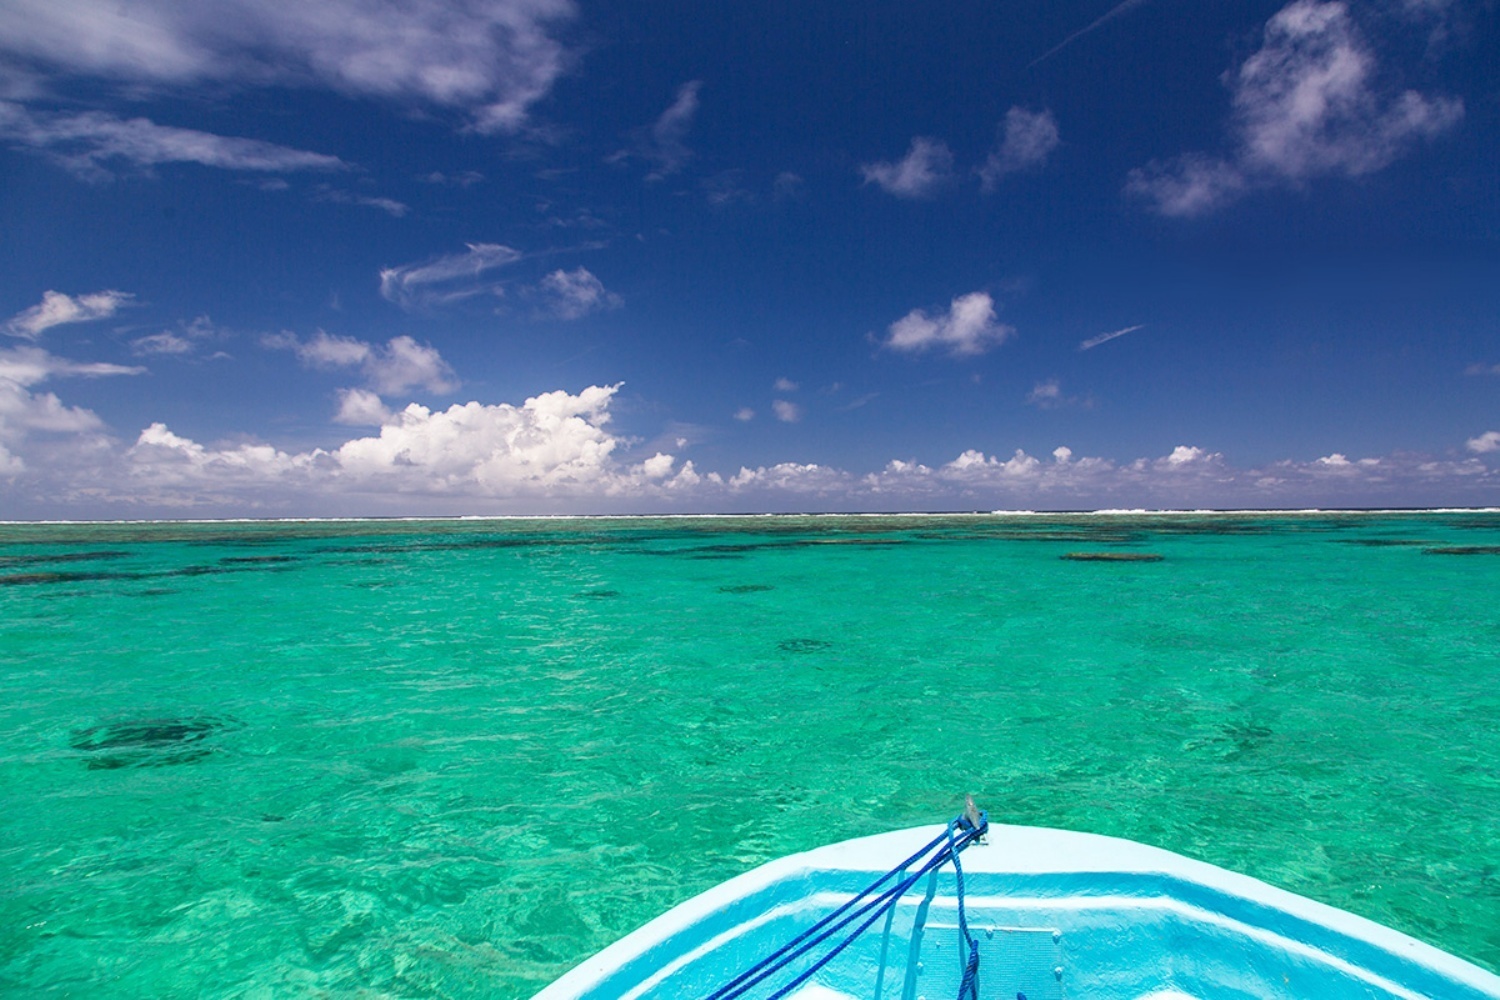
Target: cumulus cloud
{"x":556,"y":451}
{"x":89,"y":143}
{"x":57,"y":309}
{"x":487,"y":59}
{"x":1027,"y":138}
{"x":447,"y":279}
{"x":1307,"y":104}
{"x":399,"y":365}
{"x":927,"y":165}
{"x":786,"y":411}
{"x":1485,"y":443}
{"x":784,"y":384}
{"x":576,"y":293}
{"x":793,"y":478}
{"x":555,"y":445}
{"x":361,"y":407}
{"x":968,"y":327}
{"x":744,"y":414}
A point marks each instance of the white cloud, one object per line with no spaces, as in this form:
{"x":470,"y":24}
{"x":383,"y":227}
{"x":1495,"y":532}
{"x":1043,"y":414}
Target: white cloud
{"x":390,"y":206}
{"x":967,"y":328}
{"x":165,"y":342}
{"x":489,"y":59}
{"x":400,"y":365}
{"x":792,"y":477}
{"x":170,"y":342}
{"x":554,"y":441}
{"x":1117,"y":10}
{"x":1186,"y":455}
{"x":787,"y":412}
{"x":361,"y":407}
{"x":576,"y":293}
{"x":1047,"y":394}
{"x":24,"y":414}
{"x":26,"y":366}
{"x":56,"y":309}
{"x":1485,"y":443}
{"x":555,"y":445}
{"x":784,"y":384}
{"x":925,"y":167}
{"x":1482,"y":369}
{"x":86,"y":143}
{"x":744,"y":414}
{"x":1104,"y":338}
{"x":664,"y":144}
{"x":446,"y":279}
{"x":556,"y":452}
{"x":1027,"y":138}
{"x":1306,"y":104}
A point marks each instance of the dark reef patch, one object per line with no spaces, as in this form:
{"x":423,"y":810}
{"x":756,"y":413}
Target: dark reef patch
{"x":1384,"y":543}
{"x":596,"y":595}
{"x":1139,"y":557}
{"x":155,"y":742}
{"x":746,"y":588}
{"x":60,"y":576}
{"x":62,"y":557}
{"x":1462,"y":550}
{"x":1233,"y":741}
{"x":803,"y":645}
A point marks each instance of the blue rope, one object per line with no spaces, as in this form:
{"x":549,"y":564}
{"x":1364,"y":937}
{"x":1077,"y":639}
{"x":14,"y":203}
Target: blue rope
{"x":947,"y":847}
{"x":968,"y":986}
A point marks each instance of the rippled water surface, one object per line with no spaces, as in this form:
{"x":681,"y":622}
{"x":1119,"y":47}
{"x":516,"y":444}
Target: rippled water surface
{"x":451,"y":759}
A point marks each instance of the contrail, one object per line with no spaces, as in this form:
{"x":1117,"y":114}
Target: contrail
{"x":1121,"y":8}
{"x":1096,"y":341}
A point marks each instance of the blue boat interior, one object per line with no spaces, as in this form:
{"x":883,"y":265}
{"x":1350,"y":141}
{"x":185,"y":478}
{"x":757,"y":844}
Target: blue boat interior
{"x":1048,"y":936}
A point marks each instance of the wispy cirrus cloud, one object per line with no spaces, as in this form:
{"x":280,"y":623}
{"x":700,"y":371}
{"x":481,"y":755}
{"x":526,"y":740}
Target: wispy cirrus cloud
{"x":1307,"y":104}
{"x":490,"y":60}
{"x":1104,"y":338}
{"x":1117,"y":10}
{"x":967,"y":328}
{"x":1048,"y":395}
{"x":91,"y":143}
{"x":27,"y":366}
{"x":449,"y":278}
{"x":184,"y":340}
{"x":390,"y":206}
{"x":1027,"y":138}
{"x":925,"y":168}
{"x":58,"y":309}
{"x":664,"y":144}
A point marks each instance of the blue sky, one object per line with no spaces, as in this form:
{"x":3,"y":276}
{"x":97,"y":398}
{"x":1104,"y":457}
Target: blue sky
{"x":534,"y":256}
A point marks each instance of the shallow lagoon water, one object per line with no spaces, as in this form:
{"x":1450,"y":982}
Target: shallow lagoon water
{"x":451,"y":759}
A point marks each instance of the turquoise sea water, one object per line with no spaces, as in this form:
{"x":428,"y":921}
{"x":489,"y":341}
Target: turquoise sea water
{"x":450,"y":759}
